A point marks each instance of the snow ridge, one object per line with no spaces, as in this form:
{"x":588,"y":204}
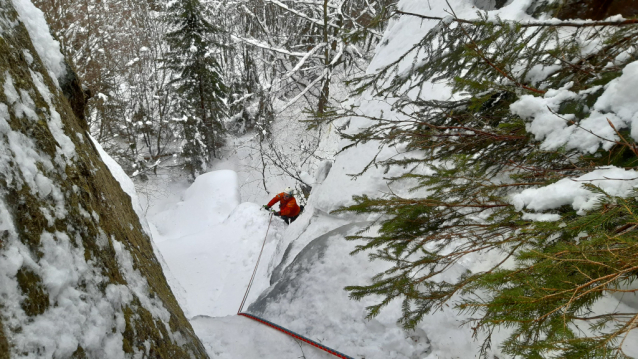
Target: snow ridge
{"x":48,"y":48}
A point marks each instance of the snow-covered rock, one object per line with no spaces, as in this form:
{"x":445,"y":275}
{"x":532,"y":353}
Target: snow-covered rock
{"x":78,"y":274}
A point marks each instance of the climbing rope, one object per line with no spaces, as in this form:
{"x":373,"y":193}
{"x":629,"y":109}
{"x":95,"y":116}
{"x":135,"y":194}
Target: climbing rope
{"x":250,"y":284}
{"x":297,"y":336}
{"x":275,"y":326}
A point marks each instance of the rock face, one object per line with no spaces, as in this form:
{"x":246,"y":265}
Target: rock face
{"x":597,"y":9}
{"x":78,"y":276}
{"x":75,"y":94}
{"x":584,"y":9}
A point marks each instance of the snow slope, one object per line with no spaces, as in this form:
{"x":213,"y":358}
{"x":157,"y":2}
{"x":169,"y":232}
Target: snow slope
{"x":211,"y":242}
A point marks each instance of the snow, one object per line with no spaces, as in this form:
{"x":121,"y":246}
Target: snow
{"x":67,"y":148}
{"x":24,"y":149}
{"x":617,"y":105}
{"x":299,"y":282}
{"x":243,"y":338}
{"x":309,"y":298}
{"x":48,"y":48}
{"x":9,"y":89}
{"x":219,"y":240}
{"x":208,"y":201}
{"x":620,"y":98}
{"x":396,"y":42}
{"x":613,"y":180}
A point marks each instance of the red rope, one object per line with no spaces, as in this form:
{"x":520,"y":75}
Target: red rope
{"x":297,"y":336}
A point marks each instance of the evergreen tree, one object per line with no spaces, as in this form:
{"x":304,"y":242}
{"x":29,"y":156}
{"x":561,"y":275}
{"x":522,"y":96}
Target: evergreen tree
{"x":116,"y":47}
{"x":471,"y":155}
{"x":197,"y":80}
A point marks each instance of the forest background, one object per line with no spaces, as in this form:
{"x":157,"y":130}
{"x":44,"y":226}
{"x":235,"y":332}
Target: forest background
{"x":142,"y":64}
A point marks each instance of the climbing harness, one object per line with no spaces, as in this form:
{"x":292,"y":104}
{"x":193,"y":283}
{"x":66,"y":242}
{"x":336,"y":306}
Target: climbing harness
{"x":273,"y":325}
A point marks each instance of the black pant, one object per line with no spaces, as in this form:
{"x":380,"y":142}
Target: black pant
{"x":289,"y":219}
{"x":292,"y":219}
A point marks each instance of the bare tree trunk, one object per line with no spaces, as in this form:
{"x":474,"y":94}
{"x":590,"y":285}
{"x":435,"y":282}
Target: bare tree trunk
{"x":210,"y":138}
{"x":325,"y":91}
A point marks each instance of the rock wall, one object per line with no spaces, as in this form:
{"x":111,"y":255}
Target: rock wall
{"x":584,"y":9}
{"x":597,"y":9}
{"x":78,"y":277}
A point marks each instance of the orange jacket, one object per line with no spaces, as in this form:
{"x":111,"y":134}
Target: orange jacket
{"x":288,"y":207}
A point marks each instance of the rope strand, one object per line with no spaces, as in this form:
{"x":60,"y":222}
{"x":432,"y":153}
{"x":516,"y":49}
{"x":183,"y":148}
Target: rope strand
{"x":250,"y":284}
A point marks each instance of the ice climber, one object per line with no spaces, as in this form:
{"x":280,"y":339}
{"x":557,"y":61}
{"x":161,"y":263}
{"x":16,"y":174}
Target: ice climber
{"x":288,"y":208}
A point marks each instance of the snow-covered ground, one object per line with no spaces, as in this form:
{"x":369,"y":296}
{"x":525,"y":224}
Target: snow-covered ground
{"x":211,"y":242}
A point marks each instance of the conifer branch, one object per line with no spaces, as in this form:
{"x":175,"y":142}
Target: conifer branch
{"x":475,"y":47}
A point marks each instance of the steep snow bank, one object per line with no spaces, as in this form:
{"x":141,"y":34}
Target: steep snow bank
{"x":207,"y":202}
{"x":236,"y":337}
{"x":211,"y":243}
{"x":309,"y":298}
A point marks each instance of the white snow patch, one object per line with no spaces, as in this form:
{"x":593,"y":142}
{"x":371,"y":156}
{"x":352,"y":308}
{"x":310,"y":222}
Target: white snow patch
{"x":54,"y":121}
{"x":618,"y":104}
{"x":613,"y":180}
{"x":47,"y":47}
{"x":208,"y":201}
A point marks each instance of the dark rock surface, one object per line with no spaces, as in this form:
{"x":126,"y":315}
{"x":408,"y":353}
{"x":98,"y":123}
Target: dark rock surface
{"x":597,"y":9}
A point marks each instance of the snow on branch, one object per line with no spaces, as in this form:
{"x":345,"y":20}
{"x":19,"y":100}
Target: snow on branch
{"x":258,"y":43}
{"x":302,"y":15}
{"x":319,"y":78}
{"x":289,"y":74}
{"x":304,"y":59}
{"x":308,"y":2}
{"x":555,"y":22}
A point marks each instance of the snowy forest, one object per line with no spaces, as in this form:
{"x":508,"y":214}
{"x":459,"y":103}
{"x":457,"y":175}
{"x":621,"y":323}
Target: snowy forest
{"x":464,"y":173}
